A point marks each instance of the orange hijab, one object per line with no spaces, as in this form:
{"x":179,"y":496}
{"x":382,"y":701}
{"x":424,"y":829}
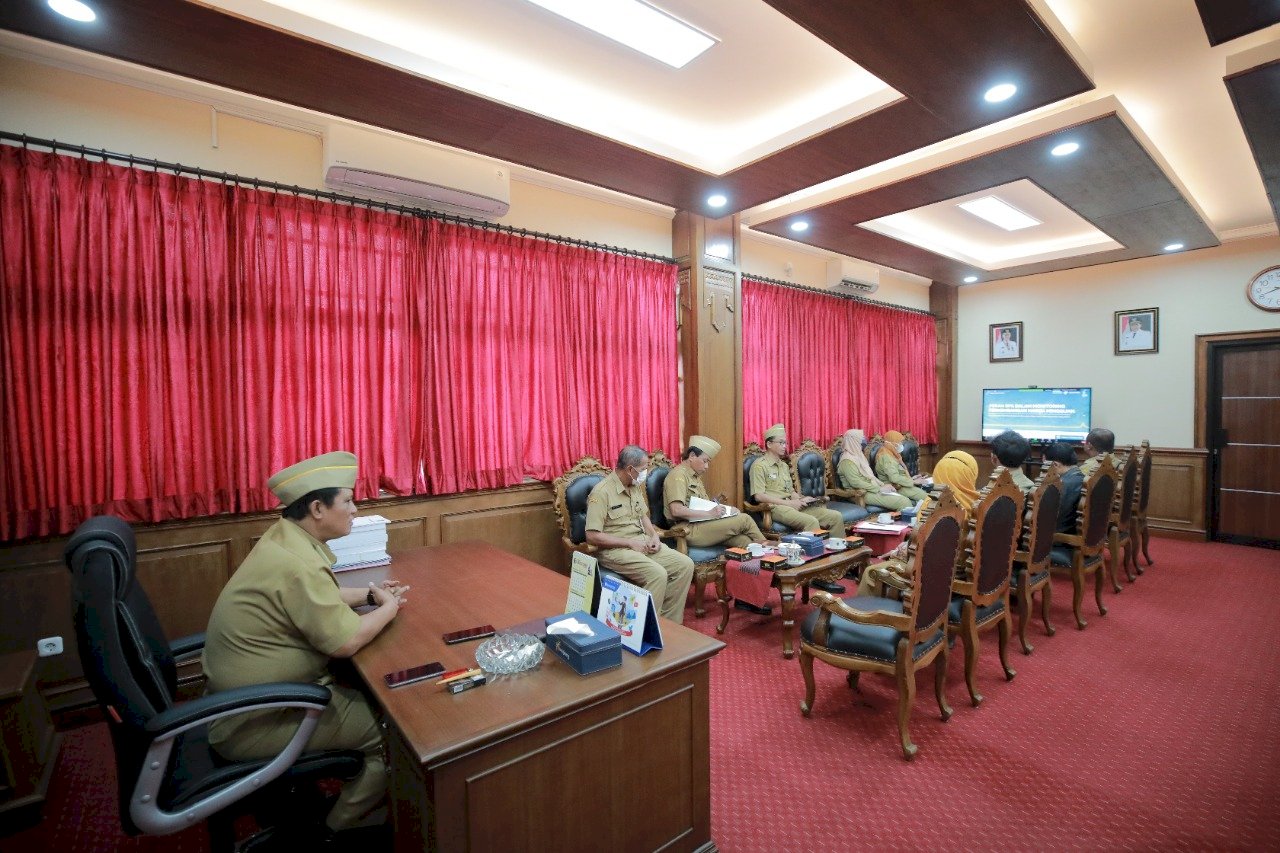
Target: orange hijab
{"x":892,"y":439}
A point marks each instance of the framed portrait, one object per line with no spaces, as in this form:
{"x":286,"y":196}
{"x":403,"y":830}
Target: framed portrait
{"x":1137,"y":331}
{"x":1005,"y":341}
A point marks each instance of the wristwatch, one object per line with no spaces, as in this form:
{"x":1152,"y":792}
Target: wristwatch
{"x":369,"y":599}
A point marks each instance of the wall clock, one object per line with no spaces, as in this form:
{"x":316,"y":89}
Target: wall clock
{"x":1264,"y":289}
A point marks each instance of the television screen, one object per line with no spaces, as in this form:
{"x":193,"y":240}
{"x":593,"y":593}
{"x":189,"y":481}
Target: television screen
{"x":1040,"y":414}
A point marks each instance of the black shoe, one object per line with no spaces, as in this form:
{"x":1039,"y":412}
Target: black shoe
{"x":828,"y":586}
{"x":763,"y":611}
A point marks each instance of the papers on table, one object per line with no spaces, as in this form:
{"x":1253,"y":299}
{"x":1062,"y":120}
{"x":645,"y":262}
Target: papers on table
{"x":877,"y":527}
{"x":365,"y":546}
{"x":698,"y":504}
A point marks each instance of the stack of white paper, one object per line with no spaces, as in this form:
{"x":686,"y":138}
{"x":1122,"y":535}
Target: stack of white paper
{"x":364,"y":546}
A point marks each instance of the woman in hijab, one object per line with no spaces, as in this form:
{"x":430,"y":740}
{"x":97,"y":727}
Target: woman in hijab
{"x":855,"y":473}
{"x":958,"y":471}
{"x":891,"y":469}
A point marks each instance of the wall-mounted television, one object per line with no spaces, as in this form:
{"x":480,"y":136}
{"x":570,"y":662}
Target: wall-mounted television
{"x":1040,"y":414}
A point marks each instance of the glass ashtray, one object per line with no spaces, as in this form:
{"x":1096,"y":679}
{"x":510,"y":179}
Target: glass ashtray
{"x":506,"y":654}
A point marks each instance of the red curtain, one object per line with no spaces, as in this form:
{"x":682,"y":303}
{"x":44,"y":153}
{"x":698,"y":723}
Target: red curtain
{"x":822,"y":364}
{"x":537,"y":353}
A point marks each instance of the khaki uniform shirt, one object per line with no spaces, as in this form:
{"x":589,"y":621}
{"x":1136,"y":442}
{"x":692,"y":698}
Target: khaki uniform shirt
{"x":1088,"y":466}
{"x":852,"y":477}
{"x":771,"y":477}
{"x":280,"y":617}
{"x":616,"y":509}
{"x":682,"y":484}
{"x":1021,"y":480}
{"x":891,"y":471}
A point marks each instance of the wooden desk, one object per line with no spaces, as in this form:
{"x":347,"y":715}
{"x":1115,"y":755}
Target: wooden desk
{"x":546,"y":759}
{"x":832,"y":567}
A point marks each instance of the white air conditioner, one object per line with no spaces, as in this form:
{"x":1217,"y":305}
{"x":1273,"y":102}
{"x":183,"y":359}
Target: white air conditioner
{"x":387,"y":168}
{"x":850,"y":276}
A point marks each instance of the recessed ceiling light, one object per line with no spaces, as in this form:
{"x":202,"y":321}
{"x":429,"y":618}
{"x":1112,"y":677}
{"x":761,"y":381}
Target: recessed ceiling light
{"x":970,"y":279}
{"x":716,"y":200}
{"x":637,"y":25}
{"x":999,"y":213}
{"x":73,"y":9}
{"x":1002,"y":92}
{"x":800,"y":226}
{"x":1173,"y":247}
{"x":1065,"y":148}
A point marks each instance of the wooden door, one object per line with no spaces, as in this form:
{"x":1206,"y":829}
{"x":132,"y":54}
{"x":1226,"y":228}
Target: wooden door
{"x":1245,"y":443}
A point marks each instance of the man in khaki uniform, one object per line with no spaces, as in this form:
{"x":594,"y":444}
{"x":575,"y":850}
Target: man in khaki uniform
{"x":714,"y":526}
{"x":618,"y":524}
{"x":1098,"y":443}
{"x":282,"y":616}
{"x":771,"y":485}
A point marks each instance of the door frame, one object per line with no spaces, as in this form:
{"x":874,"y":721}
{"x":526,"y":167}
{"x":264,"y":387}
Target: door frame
{"x":1206,"y":405}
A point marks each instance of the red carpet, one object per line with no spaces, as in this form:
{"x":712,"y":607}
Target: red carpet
{"x":1155,"y":728}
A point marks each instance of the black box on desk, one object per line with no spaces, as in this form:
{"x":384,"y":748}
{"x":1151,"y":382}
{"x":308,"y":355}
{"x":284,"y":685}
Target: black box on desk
{"x":602,"y":649}
{"x":811,"y":545}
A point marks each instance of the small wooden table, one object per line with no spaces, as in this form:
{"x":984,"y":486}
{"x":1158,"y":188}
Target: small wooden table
{"x":882,"y":542}
{"x":831,"y":567}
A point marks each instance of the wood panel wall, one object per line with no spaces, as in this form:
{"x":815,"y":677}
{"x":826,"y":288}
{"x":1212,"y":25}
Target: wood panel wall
{"x":1178,"y":504}
{"x":184,"y":565}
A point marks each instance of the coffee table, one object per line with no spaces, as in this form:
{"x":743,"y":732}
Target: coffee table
{"x":832,"y":566}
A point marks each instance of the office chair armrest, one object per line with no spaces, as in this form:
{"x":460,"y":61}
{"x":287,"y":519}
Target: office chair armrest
{"x":184,"y":649}
{"x":238,"y":700}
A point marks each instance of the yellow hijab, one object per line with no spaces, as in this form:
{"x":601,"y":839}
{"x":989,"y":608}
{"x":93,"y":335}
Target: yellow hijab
{"x":959,"y":471}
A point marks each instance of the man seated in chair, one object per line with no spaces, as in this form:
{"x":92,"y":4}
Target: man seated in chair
{"x":771,"y":485}
{"x":1010,"y":449}
{"x":618,"y":524}
{"x":714,"y":526}
{"x":282,"y":616}
{"x":1098,"y":443}
{"x":1062,"y":457}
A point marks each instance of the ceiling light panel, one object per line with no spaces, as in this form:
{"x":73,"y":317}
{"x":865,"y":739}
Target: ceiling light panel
{"x":998,"y":213}
{"x":637,"y":25}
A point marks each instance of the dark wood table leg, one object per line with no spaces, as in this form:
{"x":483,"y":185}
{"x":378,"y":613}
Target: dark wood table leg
{"x":787,"y":589}
{"x":722,"y":595}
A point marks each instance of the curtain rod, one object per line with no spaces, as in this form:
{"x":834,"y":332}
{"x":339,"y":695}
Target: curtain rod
{"x":226,"y":177}
{"x":876,"y":302}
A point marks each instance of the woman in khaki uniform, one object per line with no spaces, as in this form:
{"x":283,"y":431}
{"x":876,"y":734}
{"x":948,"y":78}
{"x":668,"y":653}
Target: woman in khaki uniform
{"x":855,"y":472}
{"x":891,"y":469}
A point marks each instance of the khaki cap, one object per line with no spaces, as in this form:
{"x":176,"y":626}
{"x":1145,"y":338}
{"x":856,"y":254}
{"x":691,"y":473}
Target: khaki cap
{"x":775,"y":431}
{"x":709,"y":446}
{"x":326,"y":471}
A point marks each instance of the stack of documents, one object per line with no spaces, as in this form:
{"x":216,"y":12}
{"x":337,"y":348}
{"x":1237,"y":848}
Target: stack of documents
{"x":702,"y":505}
{"x":364,"y":546}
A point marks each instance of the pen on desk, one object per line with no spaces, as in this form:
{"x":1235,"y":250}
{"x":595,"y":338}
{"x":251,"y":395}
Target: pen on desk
{"x":461,"y":674}
{"x":454,"y":673}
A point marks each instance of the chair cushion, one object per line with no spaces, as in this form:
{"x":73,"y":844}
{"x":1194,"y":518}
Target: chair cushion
{"x":705,"y":553}
{"x":984,"y":613}
{"x":1035,"y":579}
{"x":851,"y":513}
{"x":874,"y":642}
{"x":1060,"y":555}
{"x":779,"y":527}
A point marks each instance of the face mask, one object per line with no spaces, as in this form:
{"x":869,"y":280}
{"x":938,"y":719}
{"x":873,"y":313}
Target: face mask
{"x":641,"y":476}
{"x":901,"y":447}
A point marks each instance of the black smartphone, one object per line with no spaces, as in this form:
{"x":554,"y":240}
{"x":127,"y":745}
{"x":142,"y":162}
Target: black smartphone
{"x":414,"y":673}
{"x":468,"y":634}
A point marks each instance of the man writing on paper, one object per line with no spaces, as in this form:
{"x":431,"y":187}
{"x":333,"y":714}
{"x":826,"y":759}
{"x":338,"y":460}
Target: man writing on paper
{"x":282,"y":616}
{"x":618,"y":524}
{"x":716,"y":526}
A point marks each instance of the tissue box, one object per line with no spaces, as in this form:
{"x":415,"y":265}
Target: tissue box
{"x":811,"y":545}
{"x":586,"y":654}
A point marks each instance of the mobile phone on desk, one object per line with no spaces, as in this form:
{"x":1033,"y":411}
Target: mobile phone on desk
{"x":465,"y":634}
{"x":414,"y":674}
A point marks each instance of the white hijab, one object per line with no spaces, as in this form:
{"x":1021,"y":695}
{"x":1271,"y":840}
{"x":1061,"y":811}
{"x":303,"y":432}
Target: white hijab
{"x":852,"y":449}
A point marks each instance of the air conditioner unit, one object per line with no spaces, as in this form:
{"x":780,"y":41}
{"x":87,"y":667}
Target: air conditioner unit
{"x":849,"y":276}
{"x":387,"y":168}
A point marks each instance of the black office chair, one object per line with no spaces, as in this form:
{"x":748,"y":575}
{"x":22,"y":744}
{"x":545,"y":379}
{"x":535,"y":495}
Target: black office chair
{"x":810,"y":470}
{"x":168,"y":776}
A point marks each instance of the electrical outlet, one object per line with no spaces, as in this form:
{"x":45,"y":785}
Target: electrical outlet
{"x":49,"y":646}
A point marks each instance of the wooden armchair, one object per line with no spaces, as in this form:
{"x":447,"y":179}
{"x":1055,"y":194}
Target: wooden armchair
{"x":893,"y":637}
{"x":760,"y":512}
{"x":1031,"y":559}
{"x":571,"y":489}
{"x":811,"y":473}
{"x":980,"y":590}
{"x":1122,"y":531}
{"x":708,"y":562}
{"x":1081,"y":552}
{"x":1140,"y":504}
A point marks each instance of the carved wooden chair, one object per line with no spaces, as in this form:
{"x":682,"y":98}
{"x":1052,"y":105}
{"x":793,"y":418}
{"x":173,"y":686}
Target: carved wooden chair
{"x":980,"y":590}
{"x":811,"y":472}
{"x":1081,"y":553}
{"x":571,"y":489}
{"x":1031,"y":559}
{"x":751,"y":454}
{"x":1122,"y":532}
{"x":1140,"y":504}
{"x":893,"y":637}
{"x":708,"y":561}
